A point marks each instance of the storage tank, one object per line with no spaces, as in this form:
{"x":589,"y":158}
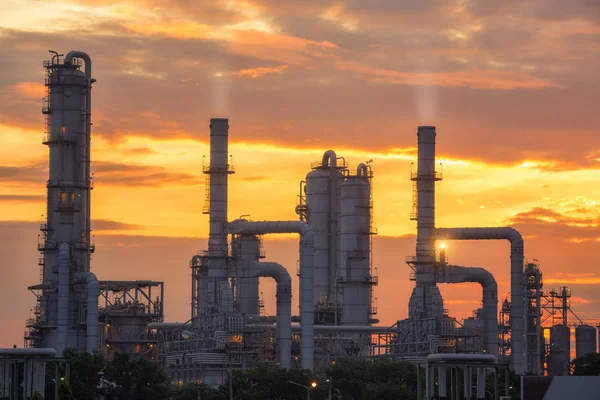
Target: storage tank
{"x":355,"y":269}
{"x":246,"y":249}
{"x":560,"y":350}
{"x":585,"y":340}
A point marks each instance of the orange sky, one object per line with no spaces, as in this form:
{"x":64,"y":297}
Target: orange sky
{"x":510,"y":85}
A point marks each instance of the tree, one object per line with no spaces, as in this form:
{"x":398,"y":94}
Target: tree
{"x":65,"y":392}
{"x":36,"y":396}
{"x":135,"y":379}
{"x":192,"y":390}
{"x":84,"y":373}
{"x":588,"y":365}
{"x":377,"y":379}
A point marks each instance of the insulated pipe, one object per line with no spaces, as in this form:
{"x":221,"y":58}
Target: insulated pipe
{"x":517,"y":309}
{"x":88,"y":176}
{"x":93,"y":291}
{"x":241,"y":226}
{"x":284,"y":307}
{"x":455,"y":274}
{"x":362,"y":170}
{"x":64,"y":263}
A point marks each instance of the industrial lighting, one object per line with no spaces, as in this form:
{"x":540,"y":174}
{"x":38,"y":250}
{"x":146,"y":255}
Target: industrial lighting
{"x":313,"y":385}
{"x":443,"y":245}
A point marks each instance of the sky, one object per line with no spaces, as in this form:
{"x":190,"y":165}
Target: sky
{"x":511,"y":86}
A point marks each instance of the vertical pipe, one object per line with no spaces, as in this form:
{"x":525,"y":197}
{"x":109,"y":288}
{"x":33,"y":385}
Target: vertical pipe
{"x":64,"y":262}
{"x":93,"y":291}
{"x":428,"y":379}
{"x":480,"y":383}
{"x":442,"y":386}
{"x":467,"y":374}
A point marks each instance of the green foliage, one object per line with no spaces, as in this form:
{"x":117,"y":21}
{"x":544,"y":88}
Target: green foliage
{"x":588,"y":365}
{"x":65,"y":392}
{"x":378,"y":379}
{"x":269,"y":383}
{"x":191,"y":391}
{"x":84,"y":373}
{"x":135,"y":379}
{"x":36,"y":396}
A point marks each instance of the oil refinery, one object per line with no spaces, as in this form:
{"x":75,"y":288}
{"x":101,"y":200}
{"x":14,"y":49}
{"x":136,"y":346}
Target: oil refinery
{"x":528,"y":330}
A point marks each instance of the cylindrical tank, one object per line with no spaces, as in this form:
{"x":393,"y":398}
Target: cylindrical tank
{"x":585,"y":340}
{"x":318,"y":217}
{"x":247,"y":250}
{"x":355,"y":274}
{"x":560,"y":350}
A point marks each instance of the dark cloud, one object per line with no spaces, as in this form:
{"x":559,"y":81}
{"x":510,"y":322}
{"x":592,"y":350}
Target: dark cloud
{"x":110,"y":225}
{"x":30,"y":173}
{"x":138,"y":175}
{"x":21,"y":198}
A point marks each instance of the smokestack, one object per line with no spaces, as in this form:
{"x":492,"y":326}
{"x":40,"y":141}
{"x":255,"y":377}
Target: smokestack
{"x":426,"y":299}
{"x":218,"y":170}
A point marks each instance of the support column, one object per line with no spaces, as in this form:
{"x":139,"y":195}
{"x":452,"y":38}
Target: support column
{"x":427,"y":385}
{"x":480,"y":383}
{"x":468,"y":391}
{"x":442,"y":383}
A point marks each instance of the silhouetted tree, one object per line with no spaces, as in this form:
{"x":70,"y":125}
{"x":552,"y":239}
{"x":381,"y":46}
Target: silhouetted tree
{"x":588,"y":365}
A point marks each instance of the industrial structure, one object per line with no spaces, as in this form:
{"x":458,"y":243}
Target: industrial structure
{"x":337,"y":312}
{"x":67,"y":313}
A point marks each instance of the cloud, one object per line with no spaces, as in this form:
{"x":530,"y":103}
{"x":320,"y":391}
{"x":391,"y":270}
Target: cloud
{"x":109,"y":225}
{"x":29,"y":173}
{"x":260,"y":71}
{"x":117,"y":174}
{"x":21,"y":198}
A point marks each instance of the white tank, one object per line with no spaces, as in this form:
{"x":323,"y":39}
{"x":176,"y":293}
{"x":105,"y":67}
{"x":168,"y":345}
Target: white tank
{"x":585,"y":340}
{"x":355,"y":274}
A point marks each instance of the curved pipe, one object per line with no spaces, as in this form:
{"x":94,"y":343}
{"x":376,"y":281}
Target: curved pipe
{"x":517,"y":307}
{"x":329,"y":159}
{"x":93,"y":291}
{"x":64,"y":264}
{"x":362,"y":170}
{"x":88,"y":105}
{"x":284,"y":307}
{"x":456,"y":274}
{"x":307,"y":242}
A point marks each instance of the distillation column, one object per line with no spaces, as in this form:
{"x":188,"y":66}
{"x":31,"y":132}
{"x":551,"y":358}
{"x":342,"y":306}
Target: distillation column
{"x":68,"y":130}
{"x":426,"y":299}
{"x":355,"y":248}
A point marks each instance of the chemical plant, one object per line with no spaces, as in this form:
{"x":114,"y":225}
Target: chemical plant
{"x":528,"y":330}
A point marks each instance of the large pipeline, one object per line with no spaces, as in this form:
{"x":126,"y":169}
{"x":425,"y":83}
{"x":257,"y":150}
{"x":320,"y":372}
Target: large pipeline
{"x":306,"y":273}
{"x":284,"y":307}
{"x":64,"y":263}
{"x":456,"y":274}
{"x":93,"y":291}
{"x":517,"y":309}
{"x":88,"y":127}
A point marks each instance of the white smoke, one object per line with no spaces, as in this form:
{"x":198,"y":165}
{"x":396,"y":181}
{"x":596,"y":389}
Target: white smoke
{"x":426,"y":92}
{"x":220,"y":90}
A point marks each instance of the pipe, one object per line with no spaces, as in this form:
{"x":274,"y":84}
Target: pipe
{"x":284,"y":308}
{"x":64,"y":264}
{"x":88,"y":105}
{"x":329,"y":159}
{"x":307,"y":240}
{"x":517,"y":308}
{"x":93,"y":291}
{"x":456,"y":274}
{"x":362,"y":170}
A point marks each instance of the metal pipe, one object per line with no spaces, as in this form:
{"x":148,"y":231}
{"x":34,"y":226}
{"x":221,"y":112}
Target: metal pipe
{"x":88,"y":177}
{"x":284,"y":308}
{"x":64,"y":264}
{"x":93,"y":291}
{"x":306,"y":273}
{"x":456,"y":274}
{"x":517,"y":308}
{"x":329,"y":159}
